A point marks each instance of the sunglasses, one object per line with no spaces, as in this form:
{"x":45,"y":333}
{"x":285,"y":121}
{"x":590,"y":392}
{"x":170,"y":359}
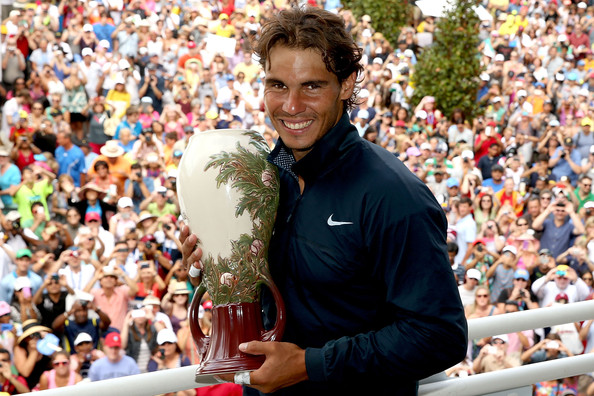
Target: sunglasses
{"x":482,"y":296}
{"x":546,"y":198}
{"x":498,"y":341}
{"x":61,"y":363}
{"x":522,"y":224}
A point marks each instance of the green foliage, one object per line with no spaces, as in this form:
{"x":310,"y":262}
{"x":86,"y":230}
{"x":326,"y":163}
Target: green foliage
{"x":238,"y":277}
{"x":450,"y":68}
{"x":387,"y":16}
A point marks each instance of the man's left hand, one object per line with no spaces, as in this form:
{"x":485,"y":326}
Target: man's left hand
{"x":284,"y":365}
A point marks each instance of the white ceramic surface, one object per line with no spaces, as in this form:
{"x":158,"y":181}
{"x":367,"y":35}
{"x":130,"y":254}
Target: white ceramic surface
{"x":209,"y":210}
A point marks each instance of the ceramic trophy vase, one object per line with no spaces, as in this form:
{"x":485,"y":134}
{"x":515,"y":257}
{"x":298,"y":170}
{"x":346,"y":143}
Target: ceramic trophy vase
{"x":228,"y":194}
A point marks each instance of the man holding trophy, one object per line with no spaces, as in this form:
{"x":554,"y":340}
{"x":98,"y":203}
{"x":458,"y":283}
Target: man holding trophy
{"x":359,"y":244}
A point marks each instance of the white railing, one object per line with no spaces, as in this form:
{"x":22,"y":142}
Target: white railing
{"x":184,"y":378}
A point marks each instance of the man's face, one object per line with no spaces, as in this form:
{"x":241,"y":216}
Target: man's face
{"x":23,"y":263}
{"x":81,"y":314}
{"x":497,"y":175}
{"x":303,"y":99}
{"x":586,"y":185}
{"x":534,"y":208}
{"x":463,"y":209}
{"x":112,"y":353}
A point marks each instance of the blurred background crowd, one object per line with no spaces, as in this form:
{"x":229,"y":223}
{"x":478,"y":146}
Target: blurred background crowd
{"x":99,"y":100}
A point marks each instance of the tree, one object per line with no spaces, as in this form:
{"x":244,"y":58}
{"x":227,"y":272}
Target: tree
{"x":387,"y":16}
{"x":449,"y":69}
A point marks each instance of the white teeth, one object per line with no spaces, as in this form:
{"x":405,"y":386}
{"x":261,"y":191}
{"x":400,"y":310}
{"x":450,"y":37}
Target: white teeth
{"x":299,"y":125}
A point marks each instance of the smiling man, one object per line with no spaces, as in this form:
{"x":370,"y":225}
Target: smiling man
{"x":359,"y":248}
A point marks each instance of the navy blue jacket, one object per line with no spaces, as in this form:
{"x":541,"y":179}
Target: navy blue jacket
{"x":360,"y":259}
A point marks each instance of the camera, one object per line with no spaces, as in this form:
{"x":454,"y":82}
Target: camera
{"x":16,"y":225}
{"x":561,"y":204}
{"x":479,"y":248}
{"x":84,"y":303}
{"x":55,"y":277}
{"x":148,"y":245}
{"x":167,"y":227}
{"x":563,"y":154}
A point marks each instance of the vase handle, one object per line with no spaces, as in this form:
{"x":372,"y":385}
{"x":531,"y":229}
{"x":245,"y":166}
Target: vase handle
{"x":200,"y":339}
{"x":277,"y":331}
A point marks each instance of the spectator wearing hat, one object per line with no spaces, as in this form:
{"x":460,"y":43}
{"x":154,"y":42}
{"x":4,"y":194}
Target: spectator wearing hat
{"x":90,"y":200}
{"x":169,"y":355}
{"x":224,"y":28}
{"x":110,"y":297}
{"x":115,"y":364}
{"x":76,"y":321}
{"x":520,"y":294}
{"x":21,"y":128}
{"x":124,"y":220}
{"x":175,"y":303}
{"x":12,"y":384}
{"x":22,"y":307}
{"x":468,"y":288}
{"x":29,"y":362}
{"x":561,"y":279}
{"x":71,"y":159}
{"x":566,"y":161}
{"x":493,"y":356}
{"x":84,"y":354}
{"x":577,"y":258}
{"x":22,"y":271}
{"x":152,"y":307}
{"x":139,"y":338}
{"x":501,"y":273}
{"x":559,"y":224}
{"x":486,"y":136}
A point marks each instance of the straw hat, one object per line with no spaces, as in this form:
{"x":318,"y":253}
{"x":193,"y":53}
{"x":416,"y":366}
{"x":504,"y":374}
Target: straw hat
{"x":91,"y":186}
{"x":180,"y":288}
{"x":31,"y":326}
{"x":112,"y":149}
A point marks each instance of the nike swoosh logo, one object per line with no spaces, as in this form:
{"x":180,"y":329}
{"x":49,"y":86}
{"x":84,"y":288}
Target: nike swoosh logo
{"x":333,"y":223}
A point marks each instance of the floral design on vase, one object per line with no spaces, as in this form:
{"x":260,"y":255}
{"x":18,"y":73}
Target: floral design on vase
{"x":237,"y":278}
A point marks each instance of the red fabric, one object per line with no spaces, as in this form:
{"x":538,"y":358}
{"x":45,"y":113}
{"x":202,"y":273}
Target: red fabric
{"x":227,"y":389}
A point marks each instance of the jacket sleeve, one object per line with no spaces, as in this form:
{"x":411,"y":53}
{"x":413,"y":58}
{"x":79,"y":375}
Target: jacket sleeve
{"x":427,"y":330}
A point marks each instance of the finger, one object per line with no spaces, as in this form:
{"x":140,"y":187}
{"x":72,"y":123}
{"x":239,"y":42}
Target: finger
{"x":254,"y":347}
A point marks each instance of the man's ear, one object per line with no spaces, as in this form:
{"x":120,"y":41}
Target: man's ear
{"x":348,"y":86}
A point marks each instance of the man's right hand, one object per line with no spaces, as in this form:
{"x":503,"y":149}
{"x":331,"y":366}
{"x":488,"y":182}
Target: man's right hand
{"x":191,"y":254}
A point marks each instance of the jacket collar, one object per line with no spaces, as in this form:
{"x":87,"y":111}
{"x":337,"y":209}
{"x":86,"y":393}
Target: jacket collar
{"x":324,"y":153}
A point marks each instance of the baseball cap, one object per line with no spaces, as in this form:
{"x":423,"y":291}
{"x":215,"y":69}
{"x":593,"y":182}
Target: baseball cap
{"x":552,"y":345}
{"x":90,"y":216}
{"x":223,"y":16}
{"x":522,"y":92}
{"x":589,"y":205}
{"x":426,"y":146}
{"x":413,"y":152}
{"x":561,"y":296}
{"x":511,"y":249}
{"x":166,"y":335}
{"x":21,"y":282}
{"x":473,"y":273}
{"x":521,"y":273}
{"x":499,"y":58}
{"x":207,"y":304}
{"x":467,"y":154}
{"x":125,"y":202}
{"x":87,"y":27}
{"x":105,"y":44}
{"x":422,"y":114}
{"x":24,"y":253}
{"x":363,"y":114}
{"x":452,"y":182}
{"x":554,"y":123}
{"x":113,"y":340}
{"x":400,"y":124}
{"x":545,"y":251}
{"x":84,"y":337}
{"x":13,"y":215}
{"x":146,"y":99}
{"x":4,"y":308}
{"x":191,"y":44}
{"x":502,"y":337}
{"x":496,"y":168}
{"x":568,"y":141}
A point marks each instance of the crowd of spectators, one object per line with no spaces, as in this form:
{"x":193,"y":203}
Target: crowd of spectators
{"x":101,"y":97}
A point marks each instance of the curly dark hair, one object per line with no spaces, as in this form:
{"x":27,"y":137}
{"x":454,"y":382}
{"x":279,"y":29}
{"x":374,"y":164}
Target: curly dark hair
{"x":316,"y":29}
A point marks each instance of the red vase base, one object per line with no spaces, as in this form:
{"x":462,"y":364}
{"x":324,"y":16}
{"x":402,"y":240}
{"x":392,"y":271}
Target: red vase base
{"x":230,"y":365}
